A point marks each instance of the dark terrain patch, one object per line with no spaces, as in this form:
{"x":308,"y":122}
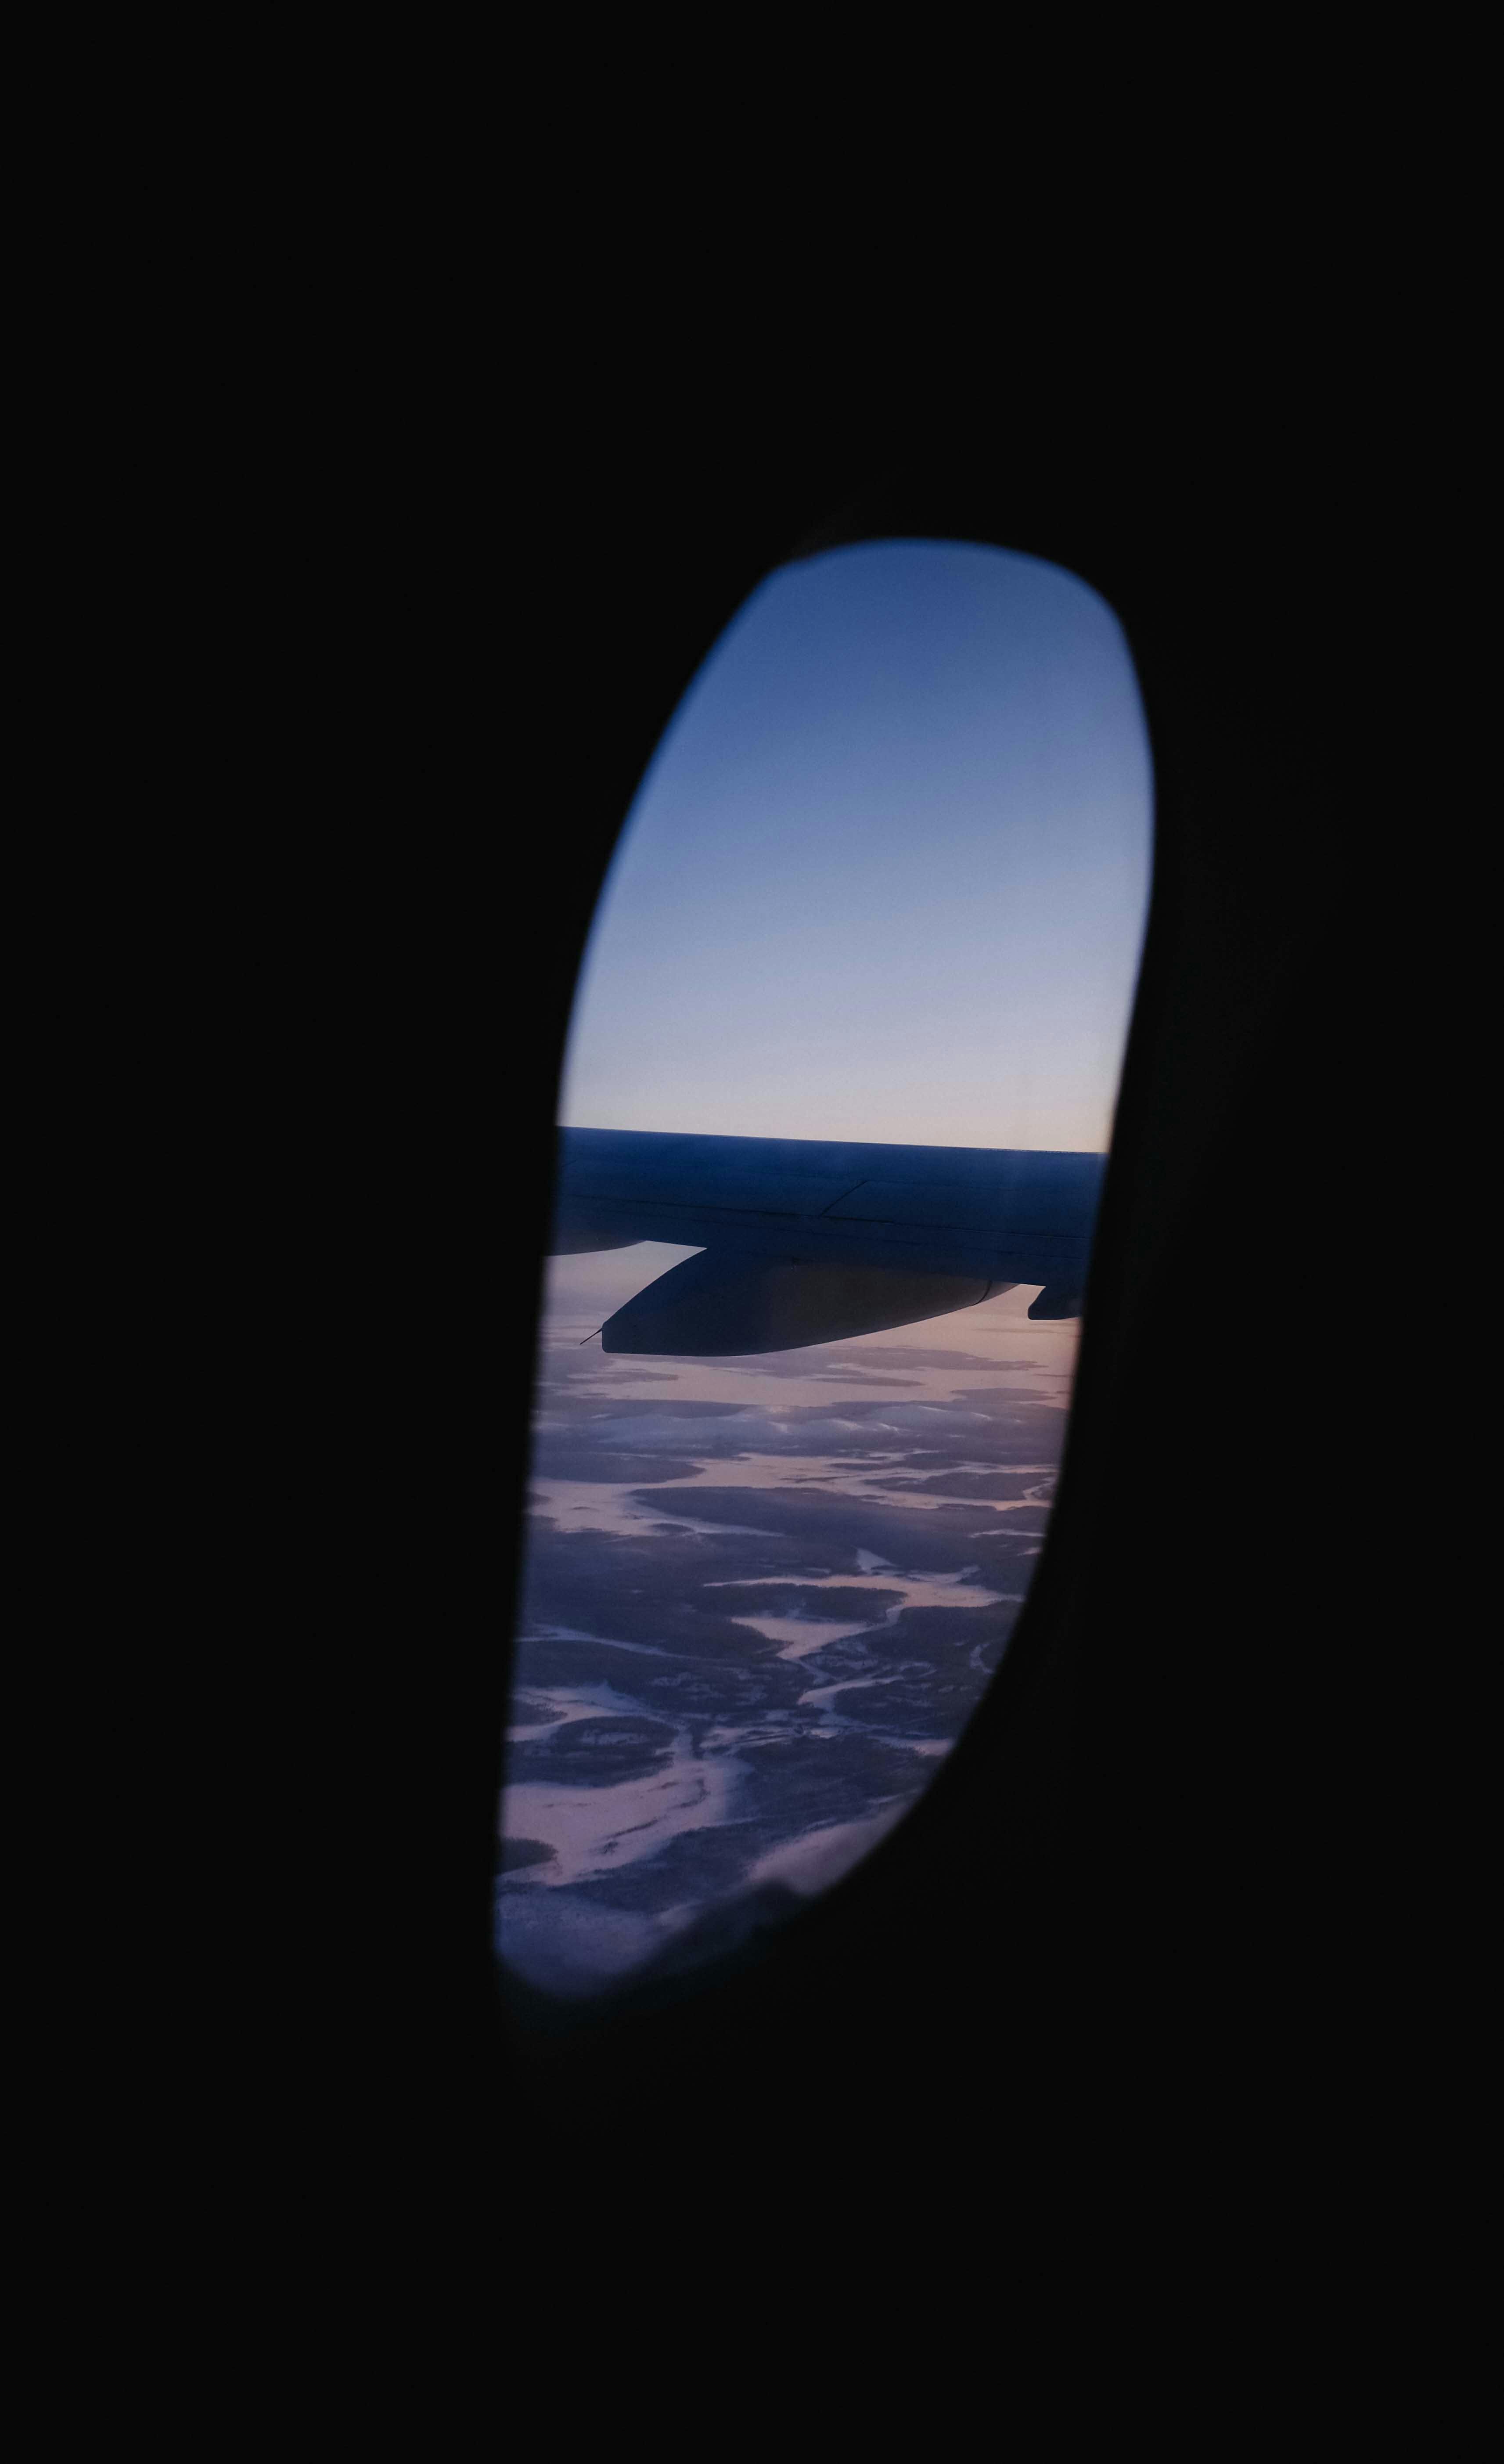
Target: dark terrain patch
{"x":803,"y":1525}
{"x":920,"y":1706}
{"x":681,"y":1688}
{"x":803,"y":1782}
{"x":692,"y":1865}
{"x":793,"y":1599}
{"x":644,"y":1588}
{"x":999,"y":1486}
{"x":590,"y":1753}
{"x":583,"y":1463}
{"x":626,"y":1407}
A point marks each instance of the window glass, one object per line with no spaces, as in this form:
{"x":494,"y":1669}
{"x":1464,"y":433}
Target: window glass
{"x":841,"y":1068}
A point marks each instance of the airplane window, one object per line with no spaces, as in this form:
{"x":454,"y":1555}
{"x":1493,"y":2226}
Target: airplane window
{"x":839,"y":1095}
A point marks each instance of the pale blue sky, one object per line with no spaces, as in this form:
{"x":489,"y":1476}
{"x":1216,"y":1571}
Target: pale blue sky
{"x":887,"y":874}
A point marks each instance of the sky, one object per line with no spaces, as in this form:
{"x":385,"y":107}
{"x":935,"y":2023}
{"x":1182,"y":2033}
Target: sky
{"x":887,"y":874}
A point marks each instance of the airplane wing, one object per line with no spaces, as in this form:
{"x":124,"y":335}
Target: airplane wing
{"x":809,"y":1240}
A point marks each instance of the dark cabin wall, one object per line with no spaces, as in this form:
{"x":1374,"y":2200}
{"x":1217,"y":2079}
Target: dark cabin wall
{"x":1157,"y":1837}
